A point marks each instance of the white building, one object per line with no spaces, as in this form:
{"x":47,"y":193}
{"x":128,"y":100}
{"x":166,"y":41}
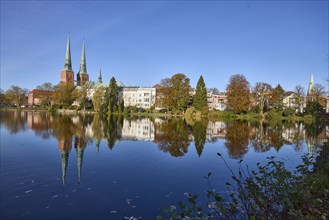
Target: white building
{"x":141,"y":97}
{"x":217,"y":102}
{"x":140,"y":129}
{"x":289,"y":100}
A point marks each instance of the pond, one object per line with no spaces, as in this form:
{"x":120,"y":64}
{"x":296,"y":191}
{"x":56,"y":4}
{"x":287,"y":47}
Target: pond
{"x":86,"y":167}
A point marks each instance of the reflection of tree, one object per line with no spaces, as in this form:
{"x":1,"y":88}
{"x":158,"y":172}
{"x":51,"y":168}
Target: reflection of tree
{"x":173,"y":136}
{"x":261,"y":142}
{"x":111,"y":130}
{"x":199,"y":132}
{"x":237,"y":139}
{"x":14,"y":121}
{"x":40,"y":123}
{"x":63,"y":127}
{"x":97,"y":128}
{"x":276,"y":138}
{"x":314,"y":129}
{"x":298,"y":137}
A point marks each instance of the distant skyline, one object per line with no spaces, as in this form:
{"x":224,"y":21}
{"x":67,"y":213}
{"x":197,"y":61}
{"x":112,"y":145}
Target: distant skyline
{"x":142,"y":42}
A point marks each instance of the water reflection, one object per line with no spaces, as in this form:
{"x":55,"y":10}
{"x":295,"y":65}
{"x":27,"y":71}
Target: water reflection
{"x":173,"y":136}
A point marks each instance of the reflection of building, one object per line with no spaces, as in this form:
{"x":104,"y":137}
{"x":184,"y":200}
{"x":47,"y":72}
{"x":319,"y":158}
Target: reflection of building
{"x":80,"y":144}
{"x":140,"y":129}
{"x":139,"y":97}
{"x":216,"y":130}
{"x":294,"y":133}
{"x":64,"y":147}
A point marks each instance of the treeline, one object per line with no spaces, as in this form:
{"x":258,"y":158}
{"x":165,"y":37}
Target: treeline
{"x":175,"y":94}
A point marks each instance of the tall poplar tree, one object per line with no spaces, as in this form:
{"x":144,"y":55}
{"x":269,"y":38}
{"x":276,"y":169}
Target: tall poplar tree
{"x":200,"y":97}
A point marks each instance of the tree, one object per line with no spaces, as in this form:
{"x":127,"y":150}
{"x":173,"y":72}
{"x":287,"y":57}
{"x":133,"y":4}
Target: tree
{"x":262,"y":92}
{"x":98,"y":98}
{"x":47,"y":89}
{"x":110,"y":104}
{"x":214,"y":91}
{"x":299,"y":98}
{"x":200,"y":97}
{"x":64,"y":94}
{"x":17,"y":96}
{"x":175,"y":92}
{"x":277,"y":97}
{"x":238,"y":94}
{"x":83,"y":94}
{"x":319,"y":90}
{"x":3,"y":98}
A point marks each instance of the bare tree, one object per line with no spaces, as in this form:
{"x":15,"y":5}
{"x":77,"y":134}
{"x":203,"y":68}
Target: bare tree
{"x":299,"y":98}
{"x":17,"y":96}
{"x":262,"y":92}
{"x":319,"y":90}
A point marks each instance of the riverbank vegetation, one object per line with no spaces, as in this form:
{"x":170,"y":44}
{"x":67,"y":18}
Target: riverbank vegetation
{"x":175,"y":97}
{"x":270,"y":192}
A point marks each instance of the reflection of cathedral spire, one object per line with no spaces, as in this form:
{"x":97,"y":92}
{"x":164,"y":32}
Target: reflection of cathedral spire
{"x":65,"y":147}
{"x":97,"y":146}
{"x":65,"y":158}
{"x":80,"y":152}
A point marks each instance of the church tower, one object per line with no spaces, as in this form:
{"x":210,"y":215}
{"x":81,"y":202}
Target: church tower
{"x":67,"y":74}
{"x":310,"y":90}
{"x":82,"y":76}
{"x":100,"y":81}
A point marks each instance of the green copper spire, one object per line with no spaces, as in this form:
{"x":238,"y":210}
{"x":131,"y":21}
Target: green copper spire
{"x":311,"y":85}
{"x":68,"y":64}
{"x":65,"y":157}
{"x":80,"y":152}
{"x":83,"y":66}
{"x":100,"y":77}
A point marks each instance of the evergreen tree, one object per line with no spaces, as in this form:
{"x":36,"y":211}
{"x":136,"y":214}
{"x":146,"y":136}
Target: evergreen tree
{"x":110,"y":104}
{"x":120,"y":106}
{"x":200,"y":97}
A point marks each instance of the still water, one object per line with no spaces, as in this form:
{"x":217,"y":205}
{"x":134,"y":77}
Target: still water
{"x":85,"y":167}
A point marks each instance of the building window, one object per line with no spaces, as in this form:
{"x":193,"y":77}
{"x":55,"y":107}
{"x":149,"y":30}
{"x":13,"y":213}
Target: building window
{"x":146,"y":99}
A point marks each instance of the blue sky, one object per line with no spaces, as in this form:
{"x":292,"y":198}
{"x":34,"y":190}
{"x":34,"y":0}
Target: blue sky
{"x":140,"y":43}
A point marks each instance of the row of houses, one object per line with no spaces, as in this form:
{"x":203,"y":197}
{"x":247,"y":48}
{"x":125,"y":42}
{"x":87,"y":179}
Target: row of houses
{"x":145,"y":98}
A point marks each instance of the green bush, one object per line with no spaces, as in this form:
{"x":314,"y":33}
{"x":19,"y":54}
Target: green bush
{"x":270,"y":192}
{"x":288,"y":112}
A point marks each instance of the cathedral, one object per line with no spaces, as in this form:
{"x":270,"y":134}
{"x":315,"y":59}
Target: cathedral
{"x":67,"y":74}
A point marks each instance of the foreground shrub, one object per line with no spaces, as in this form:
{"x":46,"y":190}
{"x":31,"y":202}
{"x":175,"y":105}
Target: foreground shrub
{"x":270,"y":192}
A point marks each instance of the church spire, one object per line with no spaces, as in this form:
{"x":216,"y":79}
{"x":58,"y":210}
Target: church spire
{"x":67,"y":63}
{"x":83,"y":66}
{"x":65,"y":157}
{"x":100,"y":77}
{"x":311,"y":86}
{"x":80,"y":152}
